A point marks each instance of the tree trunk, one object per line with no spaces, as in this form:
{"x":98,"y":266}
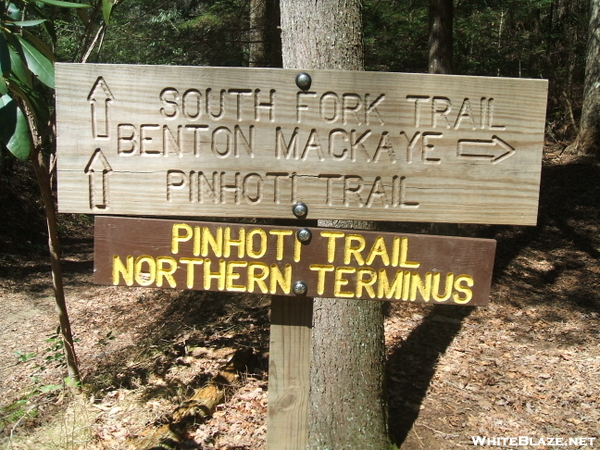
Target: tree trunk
{"x":588,"y":138}
{"x":43,"y":177}
{"x":258,"y":19}
{"x":441,"y":14}
{"x":264,"y":49}
{"x":347,"y":406}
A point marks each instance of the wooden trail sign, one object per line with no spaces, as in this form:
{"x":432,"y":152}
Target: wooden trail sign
{"x":235,"y":142}
{"x":292,"y":261}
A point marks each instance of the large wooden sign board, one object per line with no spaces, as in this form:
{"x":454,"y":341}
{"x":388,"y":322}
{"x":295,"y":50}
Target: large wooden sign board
{"x":264,"y":259}
{"x":234,"y":142}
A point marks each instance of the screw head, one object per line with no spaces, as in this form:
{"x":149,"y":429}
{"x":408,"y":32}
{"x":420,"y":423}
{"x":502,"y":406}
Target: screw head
{"x":300,"y":210}
{"x":303,"y":81}
{"x":300,"y":288}
{"x":304,"y":235}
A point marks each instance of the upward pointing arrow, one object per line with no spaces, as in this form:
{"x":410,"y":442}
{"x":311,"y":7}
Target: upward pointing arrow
{"x":98,"y":170}
{"x":100,"y":97}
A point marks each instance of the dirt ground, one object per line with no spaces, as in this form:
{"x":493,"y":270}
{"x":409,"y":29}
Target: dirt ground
{"x":528,"y":365}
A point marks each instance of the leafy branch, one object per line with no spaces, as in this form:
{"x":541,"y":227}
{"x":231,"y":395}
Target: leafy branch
{"x":26,"y":115}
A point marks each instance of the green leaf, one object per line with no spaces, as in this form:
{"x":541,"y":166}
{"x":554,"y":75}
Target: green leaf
{"x":34,"y":100}
{"x":4,"y":100}
{"x":39,"y":44}
{"x":17,"y":63}
{"x":72,"y":382}
{"x":3,"y":86}
{"x":64,"y":4}
{"x":4,"y":56}
{"x":28,"y":23}
{"x":48,"y":25}
{"x":107,"y":6}
{"x":41,"y":66}
{"x":13,"y":12}
{"x":49,"y":388}
{"x":14,"y":129}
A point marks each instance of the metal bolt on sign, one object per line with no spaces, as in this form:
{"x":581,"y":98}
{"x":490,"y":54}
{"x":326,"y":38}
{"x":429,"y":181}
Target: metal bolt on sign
{"x":300,"y":288}
{"x":304,"y":235}
{"x":300,"y":210}
{"x":303,"y":81}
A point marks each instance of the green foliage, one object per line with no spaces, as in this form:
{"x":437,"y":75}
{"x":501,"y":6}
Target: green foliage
{"x":396,"y":35}
{"x":16,"y":411}
{"x":525,"y":38}
{"x":24,"y":357}
{"x":55,"y":352}
{"x":26,"y":66}
{"x":107,"y":338}
{"x":190,"y":32}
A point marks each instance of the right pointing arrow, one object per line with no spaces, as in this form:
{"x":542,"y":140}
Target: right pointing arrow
{"x":98,"y":170}
{"x":472,"y":149}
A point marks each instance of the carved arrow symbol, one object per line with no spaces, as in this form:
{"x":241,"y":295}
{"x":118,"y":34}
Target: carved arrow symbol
{"x":98,"y":170}
{"x":476,"y":149}
{"x":100,"y":97}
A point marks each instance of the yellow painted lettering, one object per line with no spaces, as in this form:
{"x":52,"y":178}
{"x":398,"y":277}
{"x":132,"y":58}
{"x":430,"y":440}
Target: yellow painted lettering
{"x":190,"y":274}
{"x":321,"y":270}
{"x":417,"y":284}
{"x":468,"y":280}
{"x":379,"y":249}
{"x":232,"y":275}
{"x":436,"y":287}
{"x":297,"y":250}
{"x":262,"y":244}
{"x":126,"y":271}
{"x":331,"y":237}
{"x":350,"y":250}
{"x":406,"y":285}
{"x":240,"y":243}
{"x":177,"y":236}
{"x":215,"y":242}
{"x":280,"y":241}
{"x":367,"y":284}
{"x":258,"y":279}
{"x":219,"y":276}
{"x":384,"y":290}
{"x":340,"y":282}
{"x":165,"y":268}
{"x":404,"y":255}
{"x":145,"y":278}
{"x":395,"y":252}
{"x":284,"y":280}
{"x":196,"y":246}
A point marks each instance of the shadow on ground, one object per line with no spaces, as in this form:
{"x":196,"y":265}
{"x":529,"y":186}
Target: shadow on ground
{"x":535,"y":262}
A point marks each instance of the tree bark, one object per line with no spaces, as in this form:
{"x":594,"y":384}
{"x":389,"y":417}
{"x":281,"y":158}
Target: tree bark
{"x":588,"y":138}
{"x":441,"y":13}
{"x":258,"y":19}
{"x":43,"y":177}
{"x":347,"y":406}
{"x":441,"y":16}
{"x":42,"y":173}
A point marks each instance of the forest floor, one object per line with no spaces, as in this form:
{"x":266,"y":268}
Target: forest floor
{"x":527,"y":365}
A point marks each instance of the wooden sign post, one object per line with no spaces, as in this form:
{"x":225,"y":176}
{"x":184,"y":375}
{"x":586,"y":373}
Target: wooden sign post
{"x":232,"y":142}
{"x":297,"y":262}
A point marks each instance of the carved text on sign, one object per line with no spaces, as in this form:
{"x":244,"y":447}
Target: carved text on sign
{"x":369,"y":145}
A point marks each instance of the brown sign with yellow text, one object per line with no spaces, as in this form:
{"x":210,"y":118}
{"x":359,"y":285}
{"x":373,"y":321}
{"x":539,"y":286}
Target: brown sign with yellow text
{"x":284,"y":260}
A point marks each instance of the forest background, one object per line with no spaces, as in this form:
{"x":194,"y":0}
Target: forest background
{"x":524,"y":39}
